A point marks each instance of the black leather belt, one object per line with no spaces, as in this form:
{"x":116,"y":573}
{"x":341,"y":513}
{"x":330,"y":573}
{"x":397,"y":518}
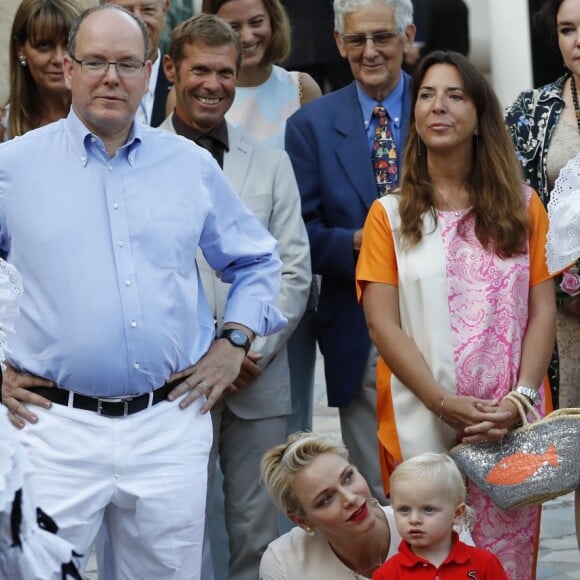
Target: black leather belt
{"x":107,"y":406}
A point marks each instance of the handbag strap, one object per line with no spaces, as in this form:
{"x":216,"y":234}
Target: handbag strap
{"x":523,"y":406}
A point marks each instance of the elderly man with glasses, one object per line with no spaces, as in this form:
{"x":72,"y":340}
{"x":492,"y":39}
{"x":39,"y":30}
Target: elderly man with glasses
{"x":346,"y":149}
{"x":114,"y":362}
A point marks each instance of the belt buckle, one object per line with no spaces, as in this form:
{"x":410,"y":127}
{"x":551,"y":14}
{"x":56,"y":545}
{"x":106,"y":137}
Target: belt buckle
{"x":124,"y":400}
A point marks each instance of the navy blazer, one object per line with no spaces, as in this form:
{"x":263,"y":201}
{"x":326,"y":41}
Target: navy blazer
{"x":329,"y":150}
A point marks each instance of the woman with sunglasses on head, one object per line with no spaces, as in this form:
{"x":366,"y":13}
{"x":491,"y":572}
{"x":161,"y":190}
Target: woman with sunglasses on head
{"x":38,"y":94}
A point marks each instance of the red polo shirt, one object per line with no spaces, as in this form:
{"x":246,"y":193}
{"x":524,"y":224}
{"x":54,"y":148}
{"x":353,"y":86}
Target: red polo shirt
{"x":463,"y":563}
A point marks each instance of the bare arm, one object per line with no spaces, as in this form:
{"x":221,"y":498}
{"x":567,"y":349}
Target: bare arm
{"x":310,"y":88}
{"x":381,"y":306}
{"x":540,"y":335}
{"x":536,"y":351}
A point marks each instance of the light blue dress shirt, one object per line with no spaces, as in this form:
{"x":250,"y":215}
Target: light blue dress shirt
{"x":112,"y":302}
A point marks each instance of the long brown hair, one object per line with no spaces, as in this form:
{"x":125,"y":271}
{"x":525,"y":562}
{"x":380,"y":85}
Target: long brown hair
{"x":36,"y":21}
{"x":494,"y":182}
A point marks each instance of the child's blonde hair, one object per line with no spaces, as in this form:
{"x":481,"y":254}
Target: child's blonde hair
{"x":437,"y":468}
{"x":440,"y":470}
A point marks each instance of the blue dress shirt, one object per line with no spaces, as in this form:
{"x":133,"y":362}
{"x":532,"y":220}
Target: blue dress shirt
{"x":112,"y":302}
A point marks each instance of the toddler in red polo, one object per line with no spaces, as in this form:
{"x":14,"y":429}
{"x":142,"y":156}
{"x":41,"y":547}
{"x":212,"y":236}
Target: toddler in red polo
{"x":428,"y":497}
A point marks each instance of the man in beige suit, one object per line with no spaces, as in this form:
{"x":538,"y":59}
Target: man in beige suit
{"x":202,"y":62}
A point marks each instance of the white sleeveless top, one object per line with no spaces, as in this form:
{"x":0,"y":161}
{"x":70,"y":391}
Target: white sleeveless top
{"x":262,"y":111}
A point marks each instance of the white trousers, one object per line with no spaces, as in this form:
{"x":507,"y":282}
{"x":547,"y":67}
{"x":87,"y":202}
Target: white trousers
{"x":144,"y":476}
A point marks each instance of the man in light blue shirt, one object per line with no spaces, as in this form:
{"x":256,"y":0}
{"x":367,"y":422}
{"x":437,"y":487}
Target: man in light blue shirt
{"x":102,"y":217}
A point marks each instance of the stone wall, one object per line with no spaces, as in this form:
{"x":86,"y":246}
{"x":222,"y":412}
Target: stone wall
{"x":7,"y":10}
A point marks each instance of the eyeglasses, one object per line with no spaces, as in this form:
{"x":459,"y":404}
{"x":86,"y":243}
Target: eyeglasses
{"x":381,"y":39}
{"x":96,"y":67}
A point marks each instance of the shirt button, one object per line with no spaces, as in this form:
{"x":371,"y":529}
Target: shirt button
{"x":115,"y":206}
{"x":133,"y":324}
{"x":83,"y":158}
{"x":110,"y":167}
{"x":93,"y":140}
{"x":127,"y":282}
{"x":121,"y":243}
{"x":137,"y":366}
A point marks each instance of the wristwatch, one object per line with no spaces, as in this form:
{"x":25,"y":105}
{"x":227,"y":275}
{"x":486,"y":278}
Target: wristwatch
{"x":529,"y":393}
{"x":237,"y":337}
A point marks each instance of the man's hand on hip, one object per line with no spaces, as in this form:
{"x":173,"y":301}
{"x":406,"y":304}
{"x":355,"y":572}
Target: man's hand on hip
{"x":17,"y":390}
{"x":211,"y":376}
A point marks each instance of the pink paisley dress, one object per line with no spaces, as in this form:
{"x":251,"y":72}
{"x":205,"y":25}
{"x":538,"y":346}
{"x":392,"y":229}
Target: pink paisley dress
{"x":482,"y":327}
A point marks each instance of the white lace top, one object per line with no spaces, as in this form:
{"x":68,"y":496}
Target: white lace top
{"x":563,"y":243}
{"x":10,"y":291}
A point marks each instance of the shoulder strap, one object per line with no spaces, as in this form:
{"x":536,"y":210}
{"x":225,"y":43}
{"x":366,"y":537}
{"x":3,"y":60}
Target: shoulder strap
{"x":300,"y":89}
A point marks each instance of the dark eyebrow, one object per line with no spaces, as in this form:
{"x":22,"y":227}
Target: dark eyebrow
{"x":449,"y":89}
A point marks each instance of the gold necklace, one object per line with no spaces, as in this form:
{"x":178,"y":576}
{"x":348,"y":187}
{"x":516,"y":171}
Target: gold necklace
{"x":382,"y":555}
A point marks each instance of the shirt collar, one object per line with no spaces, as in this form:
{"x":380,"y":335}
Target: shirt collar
{"x":83,"y":140}
{"x":154,"y":73}
{"x":393,"y":103}
{"x":459,"y":553}
{"x":219,"y":132}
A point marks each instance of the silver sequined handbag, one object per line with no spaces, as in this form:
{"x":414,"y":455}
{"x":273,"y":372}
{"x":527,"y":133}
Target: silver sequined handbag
{"x":534,"y":463}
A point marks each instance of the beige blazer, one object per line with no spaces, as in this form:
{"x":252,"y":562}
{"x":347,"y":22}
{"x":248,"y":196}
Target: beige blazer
{"x":263,"y":178}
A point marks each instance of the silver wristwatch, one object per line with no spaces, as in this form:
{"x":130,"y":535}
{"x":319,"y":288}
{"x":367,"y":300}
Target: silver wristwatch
{"x":529,"y":393}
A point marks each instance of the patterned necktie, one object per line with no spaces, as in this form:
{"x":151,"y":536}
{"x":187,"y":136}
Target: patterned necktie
{"x":384,"y":155}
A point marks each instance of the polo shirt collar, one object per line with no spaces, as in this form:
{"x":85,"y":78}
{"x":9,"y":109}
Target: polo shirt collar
{"x":458,"y":554}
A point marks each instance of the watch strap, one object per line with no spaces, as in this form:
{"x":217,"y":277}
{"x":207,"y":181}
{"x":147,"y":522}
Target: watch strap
{"x":227,"y":334}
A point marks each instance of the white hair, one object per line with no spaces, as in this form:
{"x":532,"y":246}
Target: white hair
{"x":403,"y":11}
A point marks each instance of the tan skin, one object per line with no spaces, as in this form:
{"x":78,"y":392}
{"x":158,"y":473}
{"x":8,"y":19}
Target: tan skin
{"x":251,"y":21}
{"x":249,"y":18}
{"x":446,"y":121}
{"x":44,"y":61}
{"x":111,"y":35}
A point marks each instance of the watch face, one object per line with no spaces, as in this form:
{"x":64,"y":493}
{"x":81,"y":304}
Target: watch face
{"x":238,"y":337}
